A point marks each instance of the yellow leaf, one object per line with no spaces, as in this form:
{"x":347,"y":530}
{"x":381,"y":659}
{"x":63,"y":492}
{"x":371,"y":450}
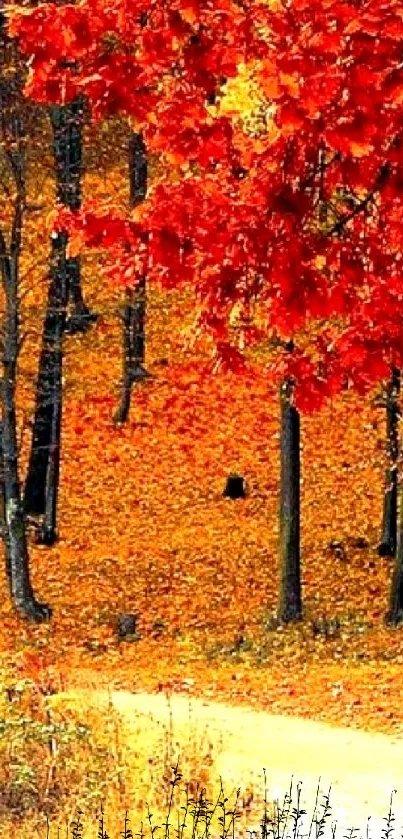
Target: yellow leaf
{"x":360,"y":149}
{"x":50,"y":220}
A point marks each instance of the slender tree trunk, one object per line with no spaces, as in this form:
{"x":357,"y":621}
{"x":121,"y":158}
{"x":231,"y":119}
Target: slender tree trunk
{"x":49,"y":526}
{"x":41,"y":488}
{"x":138,"y":170}
{"x":290,"y":606}
{"x":67,"y":143}
{"x":133,"y":312}
{"x":17,"y":563}
{"x":35,"y":484}
{"x":394,"y":615}
{"x":3,"y":509}
{"x":12,"y":119}
{"x":388,"y":542}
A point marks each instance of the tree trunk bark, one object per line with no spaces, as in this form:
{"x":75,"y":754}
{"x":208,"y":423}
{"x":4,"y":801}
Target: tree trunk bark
{"x":61,"y":287}
{"x":387,"y":546}
{"x":394,"y":615}
{"x":3,"y":509}
{"x":290,"y":606}
{"x":67,"y":144}
{"x":17,"y":563}
{"x":41,"y":488}
{"x":133,"y":340}
{"x":13,"y":137}
{"x":134,"y":310}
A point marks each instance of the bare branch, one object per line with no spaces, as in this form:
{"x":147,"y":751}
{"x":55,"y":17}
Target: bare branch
{"x":362,"y":205}
{"x":320,"y":167}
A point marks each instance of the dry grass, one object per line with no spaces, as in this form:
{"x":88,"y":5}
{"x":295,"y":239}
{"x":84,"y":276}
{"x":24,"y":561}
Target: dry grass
{"x":59,"y":777}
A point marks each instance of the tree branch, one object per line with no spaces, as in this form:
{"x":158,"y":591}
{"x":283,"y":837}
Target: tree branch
{"x":379,"y":183}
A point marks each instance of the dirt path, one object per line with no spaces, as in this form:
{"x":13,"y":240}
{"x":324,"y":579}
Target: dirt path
{"x":236,"y":743}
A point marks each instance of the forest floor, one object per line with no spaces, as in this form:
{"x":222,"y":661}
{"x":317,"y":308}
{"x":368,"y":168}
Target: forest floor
{"x":144,"y":528}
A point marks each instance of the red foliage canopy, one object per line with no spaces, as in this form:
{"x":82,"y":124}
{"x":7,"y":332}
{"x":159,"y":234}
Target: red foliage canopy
{"x":302,"y":227}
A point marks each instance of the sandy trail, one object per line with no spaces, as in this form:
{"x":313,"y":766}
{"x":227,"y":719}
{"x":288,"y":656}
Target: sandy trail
{"x":236,"y":743}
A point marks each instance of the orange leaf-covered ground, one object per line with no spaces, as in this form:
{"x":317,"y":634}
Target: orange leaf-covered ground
{"x":144,"y":527}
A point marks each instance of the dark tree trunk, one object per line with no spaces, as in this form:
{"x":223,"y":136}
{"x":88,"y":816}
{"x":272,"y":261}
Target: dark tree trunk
{"x":3,"y":509}
{"x":388,"y":542}
{"x":134,"y":310}
{"x":41,"y":488}
{"x":132,"y":314}
{"x":49,"y":525}
{"x":137,"y":169}
{"x":67,"y":123}
{"x":290,"y":607}
{"x":17,"y":563}
{"x":12,"y":118}
{"x":394,"y":615}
